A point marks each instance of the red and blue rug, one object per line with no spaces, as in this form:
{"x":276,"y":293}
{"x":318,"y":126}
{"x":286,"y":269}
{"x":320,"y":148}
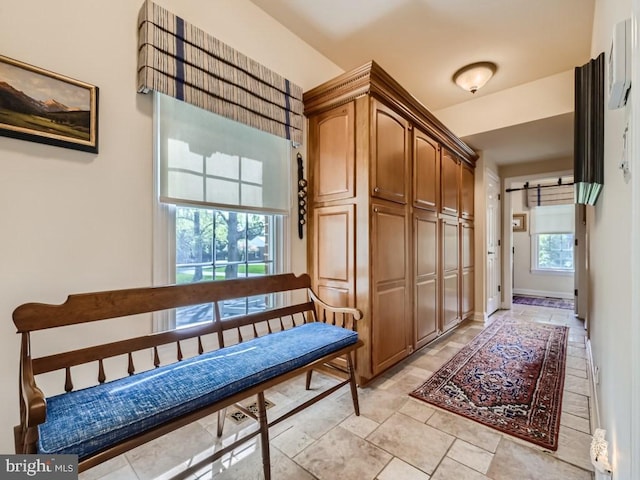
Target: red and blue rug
{"x":510,"y":378}
{"x":564,"y":303}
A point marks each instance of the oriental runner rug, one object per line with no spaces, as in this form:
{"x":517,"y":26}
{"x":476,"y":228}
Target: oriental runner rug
{"x":564,"y":303}
{"x":510,"y":377}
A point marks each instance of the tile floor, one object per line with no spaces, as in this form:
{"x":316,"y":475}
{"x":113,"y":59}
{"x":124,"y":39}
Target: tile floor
{"x":396,"y":437}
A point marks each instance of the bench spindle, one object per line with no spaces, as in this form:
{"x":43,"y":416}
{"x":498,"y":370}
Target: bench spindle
{"x":68,"y":384}
{"x":156,"y":357}
{"x":130,"y":367}
{"x":179,"y":351}
{"x":101,"y":375}
{"x":200,"y":347}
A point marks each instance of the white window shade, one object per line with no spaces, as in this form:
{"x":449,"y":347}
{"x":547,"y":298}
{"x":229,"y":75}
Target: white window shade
{"x":552,"y":219}
{"x":206,"y":159}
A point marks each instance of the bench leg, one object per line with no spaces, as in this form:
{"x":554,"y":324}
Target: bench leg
{"x":352,"y":383}
{"x":308,"y":383}
{"x":264,"y":436}
{"x":222,"y":414}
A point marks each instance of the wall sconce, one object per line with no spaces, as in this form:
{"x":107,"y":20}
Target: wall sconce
{"x":473,"y":77}
{"x":302,"y":198}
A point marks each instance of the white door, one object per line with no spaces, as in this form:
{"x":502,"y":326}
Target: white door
{"x":493,"y":243}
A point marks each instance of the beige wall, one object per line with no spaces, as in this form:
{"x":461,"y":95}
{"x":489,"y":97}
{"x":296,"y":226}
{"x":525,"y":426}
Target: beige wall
{"x":609,"y":231}
{"x":77,"y":222}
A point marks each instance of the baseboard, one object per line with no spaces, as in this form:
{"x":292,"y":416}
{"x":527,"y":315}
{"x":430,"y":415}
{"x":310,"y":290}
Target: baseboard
{"x":594,"y":414}
{"x":542,"y":293}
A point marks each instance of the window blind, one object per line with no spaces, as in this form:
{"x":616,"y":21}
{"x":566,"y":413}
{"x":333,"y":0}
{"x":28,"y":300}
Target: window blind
{"x":206,"y":159}
{"x":552,"y":219}
{"x":184,"y":62}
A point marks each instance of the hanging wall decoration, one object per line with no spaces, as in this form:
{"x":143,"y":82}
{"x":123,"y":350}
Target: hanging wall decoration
{"x":46,"y":107}
{"x":302,"y":198}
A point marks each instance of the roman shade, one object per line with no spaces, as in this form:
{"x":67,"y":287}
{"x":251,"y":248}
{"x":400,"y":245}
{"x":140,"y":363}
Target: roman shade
{"x":538,"y":196}
{"x":207,"y":160}
{"x":180,"y":60}
{"x":553,"y":219}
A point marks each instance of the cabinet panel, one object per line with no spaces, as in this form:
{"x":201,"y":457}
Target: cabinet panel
{"x":450,"y":182}
{"x":450,"y":245}
{"x":466,"y":195}
{"x":467,"y":292}
{"x":389,"y":342}
{"x":333,"y":148}
{"x":426,"y":278}
{"x":391,"y":313}
{"x":333,"y":253}
{"x":467,"y":245}
{"x":450,"y":314}
{"x":426,"y":175}
{"x":390,"y":153}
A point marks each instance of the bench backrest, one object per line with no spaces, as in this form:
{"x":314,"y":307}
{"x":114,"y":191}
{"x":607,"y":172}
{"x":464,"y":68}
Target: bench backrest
{"x":91,"y":307}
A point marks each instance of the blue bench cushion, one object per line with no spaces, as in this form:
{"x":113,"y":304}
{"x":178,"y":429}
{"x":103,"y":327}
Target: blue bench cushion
{"x":85,"y":421}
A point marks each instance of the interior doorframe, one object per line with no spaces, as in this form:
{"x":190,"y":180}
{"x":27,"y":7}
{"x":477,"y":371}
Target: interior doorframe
{"x":507,"y":231}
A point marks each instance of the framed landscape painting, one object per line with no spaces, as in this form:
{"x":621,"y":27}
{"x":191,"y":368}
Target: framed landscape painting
{"x":47,"y":107}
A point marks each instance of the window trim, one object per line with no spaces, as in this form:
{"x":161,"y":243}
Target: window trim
{"x":536,"y":270}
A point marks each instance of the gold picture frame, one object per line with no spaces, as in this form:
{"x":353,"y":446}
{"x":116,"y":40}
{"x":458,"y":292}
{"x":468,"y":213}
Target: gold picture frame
{"x":519,"y":222}
{"x":46,"y":107}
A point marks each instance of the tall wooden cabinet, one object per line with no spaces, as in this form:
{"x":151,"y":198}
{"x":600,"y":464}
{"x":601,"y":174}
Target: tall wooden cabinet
{"x":390,"y":214}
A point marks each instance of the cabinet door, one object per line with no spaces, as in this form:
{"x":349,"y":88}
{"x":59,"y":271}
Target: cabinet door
{"x":466,"y":195}
{"x":333,"y":254}
{"x":450,"y":183}
{"x":426,"y":282}
{"x":391,"y":311}
{"x":450,"y":233}
{"x":332,"y":153}
{"x":467,"y":269}
{"x":426,"y":171}
{"x":389,"y":154}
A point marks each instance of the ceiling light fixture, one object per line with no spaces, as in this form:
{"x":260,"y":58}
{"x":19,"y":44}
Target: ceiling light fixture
{"x":473,"y":77}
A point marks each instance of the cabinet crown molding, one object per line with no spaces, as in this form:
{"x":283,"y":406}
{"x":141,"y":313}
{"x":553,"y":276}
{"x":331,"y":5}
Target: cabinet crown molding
{"x":372,"y":79}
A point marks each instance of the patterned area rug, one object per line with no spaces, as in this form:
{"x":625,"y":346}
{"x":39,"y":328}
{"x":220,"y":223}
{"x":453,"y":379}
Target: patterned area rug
{"x":565,"y":303}
{"x":510,"y":377}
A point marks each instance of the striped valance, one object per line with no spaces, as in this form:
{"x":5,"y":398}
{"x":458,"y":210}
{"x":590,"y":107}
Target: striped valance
{"x":181,"y":60}
{"x":549,"y":195}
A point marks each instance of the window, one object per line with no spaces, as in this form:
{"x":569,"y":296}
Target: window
{"x":222,"y":199}
{"x":220,"y":245}
{"x":553,"y":252}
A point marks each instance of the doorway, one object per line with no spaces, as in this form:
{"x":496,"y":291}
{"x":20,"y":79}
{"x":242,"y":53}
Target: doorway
{"x":493,"y":243}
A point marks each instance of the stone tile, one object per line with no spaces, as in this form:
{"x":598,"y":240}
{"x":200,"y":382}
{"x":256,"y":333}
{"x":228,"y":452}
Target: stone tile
{"x":378,"y":405}
{"x":292,"y":441}
{"x":579,"y":352}
{"x":577,"y":385}
{"x":577,"y":363}
{"x":115,"y":469}
{"x":399,"y":470}
{"x":466,"y":429}
{"x":417,"y":409}
{"x":449,"y":469}
{"x":414,"y":442}
{"x":470,"y":455}
{"x":576,"y":373}
{"x":515,"y":461}
{"x":173,"y":452}
{"x":360,"y":425}
{"x":577,"y":423}
{"x":249,"y":467}
{"x":575,"y":404}
{"x":341,"y":454}
{"x":573,"y":447}
{"x":322,"y":417}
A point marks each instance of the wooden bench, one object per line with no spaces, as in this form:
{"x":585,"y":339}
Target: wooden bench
{"x":244,"y":356}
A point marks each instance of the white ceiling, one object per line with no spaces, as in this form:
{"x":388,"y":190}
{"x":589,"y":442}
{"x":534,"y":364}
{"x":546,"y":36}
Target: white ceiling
{"x":421,"y":43}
